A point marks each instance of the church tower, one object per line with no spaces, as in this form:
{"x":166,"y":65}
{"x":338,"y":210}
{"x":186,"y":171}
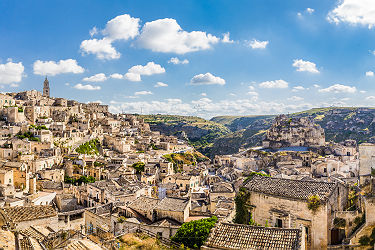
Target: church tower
{"x":46,"y":87}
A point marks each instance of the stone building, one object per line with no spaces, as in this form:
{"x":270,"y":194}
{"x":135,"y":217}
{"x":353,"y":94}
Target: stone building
{"x":46,"y":92}
{"x":284,"y":203}
{"x":366,"y":161}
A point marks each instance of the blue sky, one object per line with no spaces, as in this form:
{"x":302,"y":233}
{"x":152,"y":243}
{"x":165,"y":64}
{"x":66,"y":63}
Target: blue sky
{"x":200,"y":57}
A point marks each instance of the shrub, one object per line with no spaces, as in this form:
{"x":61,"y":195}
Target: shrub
{"x":364,"y":240}
{"x":313,"y":203}
{"x":339,"y":222}
{"x":193,"y":234}
{"x":242,"y":215}
{"x":139,"y":167}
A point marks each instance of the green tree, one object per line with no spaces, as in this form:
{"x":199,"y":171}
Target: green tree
{"x":193,"y":234}
{"x":242,"y":214}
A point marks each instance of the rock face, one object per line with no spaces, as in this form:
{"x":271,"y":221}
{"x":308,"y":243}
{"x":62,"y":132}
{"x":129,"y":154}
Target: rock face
{"x":294,"y":132}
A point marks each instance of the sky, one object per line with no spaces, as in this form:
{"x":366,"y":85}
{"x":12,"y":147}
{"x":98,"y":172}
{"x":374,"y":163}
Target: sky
{"x":192,"y":57}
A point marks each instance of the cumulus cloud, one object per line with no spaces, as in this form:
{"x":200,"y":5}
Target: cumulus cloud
{"x":226,"y":38}
{"x":277,"y":84}
{"x":134,"y":73}
{"x":339,"y":88}
{"x":207,"y":108}
{"x":176,"y":60}
{"x":11,"y":73}
{"x":116,"y":76}
{"x":310,"y":10}
{"x":52,"y":68}
{"x":160,"y":84}
{"x":144,"y":92}
{"x":206,"y":79}
{"x":316,"y":86}
{"x":122,"y":27}
{"x":369,"y":73}
{"x":102,"y":48}
{"x":298,"y":88}
{"x":101,"y":77}
{"x":166,"y":35}
{"x":255,"y":44}
{"x":370,"y":98}
{"x":86,"y":87}
{"x":295,"y":98}
{"x":307,"y":66}
{"x":354,"y":12}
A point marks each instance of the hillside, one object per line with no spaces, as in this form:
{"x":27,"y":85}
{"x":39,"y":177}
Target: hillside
{"x":339,"y":124}
{"x":227,"y":134}
{"x":201,"y":133}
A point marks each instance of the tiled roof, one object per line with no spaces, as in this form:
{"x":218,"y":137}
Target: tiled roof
{"x":295,"y":189}
{"x":143,"y":204}
{"x":18,"y":213}
{"x":237,"y":236}
{"x":172,"y":204}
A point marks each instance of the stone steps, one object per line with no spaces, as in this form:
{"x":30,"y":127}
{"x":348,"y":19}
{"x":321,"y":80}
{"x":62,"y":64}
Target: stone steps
{"x":76,"y":245}
{"x":25,"y":244}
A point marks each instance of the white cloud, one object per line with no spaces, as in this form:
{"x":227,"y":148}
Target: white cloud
{"x":102,"y":48}
{"x":339,"y":88}
{"x":207,"y":108}
{"x":133,"y":77}
{"x":277,"y":84}
{"x":255,"y":44}
{"x":310,"y":10}
{"x":160,"y":84}
{"x":116,"y":76}
{"x":11,"y":72}
{"x":302,"y":65}
{"x":52,"y":68}
{"x":370,"y":98}
{"x":203,"y":94}
{"x":144,"y":92}
{"x":354,"y":12}
{"x":101,"y":77}
{"x":316,"y":86}
{"x":299,"y":14}
{"x":298,"y":88}
{"x":206,"y":79}
{"x":93,"y":31}
{"x":369,"y":73}
{"x":122,"y":27}
{"x":175,"y":60}
{"x":134,"y":73}
{"x":362,"y":91}
{"x":165,"y":35}
{"x":226,"y":38}
{"x":86,"y":87}
{"x":295,"y":99}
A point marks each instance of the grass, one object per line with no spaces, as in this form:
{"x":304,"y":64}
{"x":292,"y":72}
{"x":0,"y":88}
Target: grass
{"x":139,"y":241}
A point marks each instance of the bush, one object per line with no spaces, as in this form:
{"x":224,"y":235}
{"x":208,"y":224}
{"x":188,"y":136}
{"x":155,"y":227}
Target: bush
{"x":313,"y":203}
{"x":339,"y":222}
{"x":89,"y":148}
{"x":193,"y":234}
{"x":139,"y":167}
{"x":364,"y":240}
{"x":242,"y":215}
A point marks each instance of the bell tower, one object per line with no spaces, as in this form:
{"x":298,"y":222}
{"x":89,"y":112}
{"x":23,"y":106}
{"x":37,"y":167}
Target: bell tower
{"x":46,"y":87}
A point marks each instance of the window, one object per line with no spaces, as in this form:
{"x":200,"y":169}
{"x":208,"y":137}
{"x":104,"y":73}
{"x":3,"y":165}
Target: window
{"x":10,"y":180}
{"x":325,"y":170}
{"x":348,"y":153}
{"x":279,"y":223}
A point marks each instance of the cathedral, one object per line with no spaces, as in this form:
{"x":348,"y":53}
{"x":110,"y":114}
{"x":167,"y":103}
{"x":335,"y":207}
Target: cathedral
{"x":46,"y":87}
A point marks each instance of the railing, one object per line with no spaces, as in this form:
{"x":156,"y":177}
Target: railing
{"x":162,"y":239}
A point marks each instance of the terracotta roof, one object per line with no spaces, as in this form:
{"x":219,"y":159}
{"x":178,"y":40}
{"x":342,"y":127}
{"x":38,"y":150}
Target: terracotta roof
{"x":18,"y":213}
{"x":237,"y":236}
{"x":295,"y":189}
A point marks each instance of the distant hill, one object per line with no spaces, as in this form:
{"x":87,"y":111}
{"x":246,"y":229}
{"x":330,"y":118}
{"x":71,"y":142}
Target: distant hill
{"x":227,"y":134}
{"x":201,"y":133}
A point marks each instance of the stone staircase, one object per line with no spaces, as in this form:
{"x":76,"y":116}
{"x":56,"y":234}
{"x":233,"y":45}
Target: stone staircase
{"x":76,"y":245}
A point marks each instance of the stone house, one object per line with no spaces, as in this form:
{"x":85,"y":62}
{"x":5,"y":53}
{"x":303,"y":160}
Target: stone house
{"x":173,"y":208}
{"x":284,"y":203}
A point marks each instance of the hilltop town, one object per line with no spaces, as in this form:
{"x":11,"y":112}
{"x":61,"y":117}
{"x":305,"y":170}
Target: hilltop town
{"x":76,"y":176}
